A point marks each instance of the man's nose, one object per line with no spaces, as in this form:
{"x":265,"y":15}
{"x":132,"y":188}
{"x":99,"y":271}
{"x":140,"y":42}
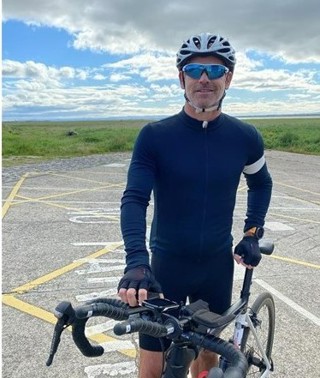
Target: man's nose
{"x":204,"y":76}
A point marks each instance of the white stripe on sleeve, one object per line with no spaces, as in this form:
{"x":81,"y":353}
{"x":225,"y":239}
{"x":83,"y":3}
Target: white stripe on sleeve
{"x":255,"y":167}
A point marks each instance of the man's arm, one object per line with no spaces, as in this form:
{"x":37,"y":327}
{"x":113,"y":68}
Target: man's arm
{"x":138,"y":278}
{"x":259,"y":184}
{"x":135,"y":200}
{"x":259,"y":196}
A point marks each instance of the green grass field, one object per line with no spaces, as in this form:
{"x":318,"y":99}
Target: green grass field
{"x":34,"y":141}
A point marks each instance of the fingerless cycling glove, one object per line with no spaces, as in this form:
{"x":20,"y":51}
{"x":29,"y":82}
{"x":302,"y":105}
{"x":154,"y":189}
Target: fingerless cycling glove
{"x":140,"y":277}
{"x":249,"y":250}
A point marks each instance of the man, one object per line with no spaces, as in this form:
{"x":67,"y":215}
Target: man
{"x":192,"y":162}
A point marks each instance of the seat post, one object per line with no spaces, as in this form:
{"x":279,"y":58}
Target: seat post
{"x":245,"y":292}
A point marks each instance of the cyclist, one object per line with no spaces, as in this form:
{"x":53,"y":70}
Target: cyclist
{"x":192,"y":161}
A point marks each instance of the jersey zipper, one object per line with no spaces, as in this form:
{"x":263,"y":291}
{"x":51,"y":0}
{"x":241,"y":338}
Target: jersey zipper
{"x":206,"y":194}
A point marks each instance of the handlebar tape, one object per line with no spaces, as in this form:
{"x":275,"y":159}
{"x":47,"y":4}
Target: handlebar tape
{"x":83,"y":313}
{"x":231,"y":372}
{"x":239,"y":364}
{"x":82,"y":342}
{"x":101,"y":309}
{"x":143,"y":326}
{"x":110,"y":301}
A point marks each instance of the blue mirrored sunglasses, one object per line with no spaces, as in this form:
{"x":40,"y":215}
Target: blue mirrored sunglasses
{"x":213,"y":71}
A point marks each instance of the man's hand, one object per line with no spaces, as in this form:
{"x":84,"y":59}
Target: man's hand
{"x":134,"y":285}
{"x":247,"y":252}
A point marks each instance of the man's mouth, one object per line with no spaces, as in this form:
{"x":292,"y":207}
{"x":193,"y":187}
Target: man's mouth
{"x":204,"y":90}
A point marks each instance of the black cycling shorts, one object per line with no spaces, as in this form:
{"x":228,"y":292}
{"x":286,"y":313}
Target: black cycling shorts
{"x":210,"y":279}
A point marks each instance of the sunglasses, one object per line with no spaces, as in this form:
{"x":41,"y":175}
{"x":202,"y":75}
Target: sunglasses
{"x":213,"y":71}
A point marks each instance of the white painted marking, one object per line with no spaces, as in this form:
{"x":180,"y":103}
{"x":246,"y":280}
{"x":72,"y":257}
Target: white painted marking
{"x":295,"y":208}
{"x":90,"y":219}
{"x":90,"y":244}
{"x":107,"y":244}
{"x":96,"y":268}
{"x":106,"y":293}
{"x":289,"y":302}
{"x":115,"y":165}
{"x":100,"y":280}
{"x":277,"y":226}
{"x":92,"y":215}
{"x":96,"y":210}
{"x":99,"y":328}
{"x":126,"y":369}
{"x":115,"y":345}
{"x":238,"y":272}
{"x":101,"y":261}
{"x":87,"y":202}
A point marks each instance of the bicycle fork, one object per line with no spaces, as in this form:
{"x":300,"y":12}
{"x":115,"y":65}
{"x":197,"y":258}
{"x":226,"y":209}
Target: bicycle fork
{"x":243,"y":321}
{"x":178,"y":361}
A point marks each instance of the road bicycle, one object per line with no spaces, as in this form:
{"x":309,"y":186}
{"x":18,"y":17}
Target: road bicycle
{"x":190,"y":327}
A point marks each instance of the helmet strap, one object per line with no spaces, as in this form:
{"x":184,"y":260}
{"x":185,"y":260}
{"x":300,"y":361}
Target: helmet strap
{"x":215,"y":106}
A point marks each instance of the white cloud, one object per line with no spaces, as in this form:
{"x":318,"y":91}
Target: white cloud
{"x":143,"y":37}
{"x":116,"y":77}
{"x":38,"y":71}
{"x":99,"y":77}
{"x":151,"y":67}
{"x":37,"y":85}
{"x":284,"y":28}
{"x":275,"y":80}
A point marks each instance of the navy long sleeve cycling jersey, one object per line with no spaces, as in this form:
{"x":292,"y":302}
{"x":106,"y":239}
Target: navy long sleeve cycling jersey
{"x":194,"y":173}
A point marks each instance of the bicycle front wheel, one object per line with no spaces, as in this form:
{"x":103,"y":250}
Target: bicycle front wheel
{"x":263,"y":319}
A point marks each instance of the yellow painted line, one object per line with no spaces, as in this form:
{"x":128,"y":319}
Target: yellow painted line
{"x":12,"y":301}
{"x":11,"y":196}
{"x":106,"y":173}
{"x":29,"y":199}
{"x":295,"y":187}
{"x":35,"y":200}
{"x":111,"y":217}
{"x":294,"y":218}
{"x":294,"y":261}
{"x":50,"y":276}
{"x":129,"y":352}
{"x":296,"y":199}
{"x":77,"y":178}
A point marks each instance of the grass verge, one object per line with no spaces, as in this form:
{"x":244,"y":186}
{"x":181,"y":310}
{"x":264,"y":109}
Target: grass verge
{"x":25,"y":142}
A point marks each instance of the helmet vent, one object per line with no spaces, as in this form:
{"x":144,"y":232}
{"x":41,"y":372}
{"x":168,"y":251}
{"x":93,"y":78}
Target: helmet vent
{"x":206,"y":44}
{"x":211,"y":41}
{"x":197,"y":42}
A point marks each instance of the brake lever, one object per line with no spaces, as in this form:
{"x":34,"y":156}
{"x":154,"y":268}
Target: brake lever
{"x":65,"y":314}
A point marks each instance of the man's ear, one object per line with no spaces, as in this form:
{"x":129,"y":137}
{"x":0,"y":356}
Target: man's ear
{"x":181,"y":79}
{"x":228,"y":79}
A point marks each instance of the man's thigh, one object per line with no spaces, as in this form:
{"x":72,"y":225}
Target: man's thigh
{"x":210,"y":279}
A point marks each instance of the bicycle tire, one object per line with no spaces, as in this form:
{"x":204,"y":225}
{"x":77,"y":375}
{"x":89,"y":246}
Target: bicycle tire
{"x":263,"y":318}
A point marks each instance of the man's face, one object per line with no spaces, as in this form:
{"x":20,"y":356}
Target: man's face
{"x":203,"y":92}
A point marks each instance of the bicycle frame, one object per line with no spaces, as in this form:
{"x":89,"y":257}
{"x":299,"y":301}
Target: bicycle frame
{"x":242,"y":321}
{"x":195,"y":328}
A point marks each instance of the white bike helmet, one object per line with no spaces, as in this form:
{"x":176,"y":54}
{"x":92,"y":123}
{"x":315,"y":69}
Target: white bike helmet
{"x":206,"y":44}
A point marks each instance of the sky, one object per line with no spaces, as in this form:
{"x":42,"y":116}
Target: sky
{"x":104,"y":59}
